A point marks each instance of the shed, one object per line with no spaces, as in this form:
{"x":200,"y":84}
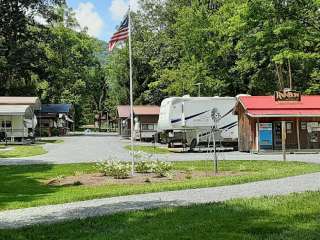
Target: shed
{"x":56,"y":119}
{"x":262,"y":120}
{"x":145,"y":121}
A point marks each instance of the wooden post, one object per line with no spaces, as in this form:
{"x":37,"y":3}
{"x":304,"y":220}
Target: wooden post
{"x":298,"y":133}
{"x":283,"y":137}
{"x":258,"y":135}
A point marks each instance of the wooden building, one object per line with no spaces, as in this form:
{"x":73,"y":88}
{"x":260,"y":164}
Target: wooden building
{"x":145,"y":121}
{"x":55,"y":119}
{"x":264,"y":120}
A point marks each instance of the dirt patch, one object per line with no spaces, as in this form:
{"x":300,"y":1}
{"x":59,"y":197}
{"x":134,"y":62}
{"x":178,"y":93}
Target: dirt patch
{"x":96,"y":179}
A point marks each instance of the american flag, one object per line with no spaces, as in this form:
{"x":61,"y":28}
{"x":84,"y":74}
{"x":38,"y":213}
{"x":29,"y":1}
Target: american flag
{"x":121,"y":34}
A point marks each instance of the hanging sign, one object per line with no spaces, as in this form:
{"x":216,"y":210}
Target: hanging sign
{"x":286,"y":96}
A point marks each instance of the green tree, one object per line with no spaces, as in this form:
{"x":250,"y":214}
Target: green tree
{"x":20,"y":33}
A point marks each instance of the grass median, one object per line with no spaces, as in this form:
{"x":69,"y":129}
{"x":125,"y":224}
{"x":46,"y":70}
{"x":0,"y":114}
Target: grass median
{"x":293,"y":217}
{"x":14,"y":151}
{"x":23,"y":186}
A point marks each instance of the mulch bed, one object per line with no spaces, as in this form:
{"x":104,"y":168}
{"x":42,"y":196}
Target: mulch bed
{"x":96,"y":179}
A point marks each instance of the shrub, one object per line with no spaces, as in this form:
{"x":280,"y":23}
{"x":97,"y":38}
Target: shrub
{"x":143,"y":166}
{"x":189,"y":173}
{"x":114,"y":169}
{"x":162,"y":169}
{"x":77,"y":183}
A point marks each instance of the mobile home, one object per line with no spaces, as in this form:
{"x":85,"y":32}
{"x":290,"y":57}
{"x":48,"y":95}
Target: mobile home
{"x":17,"y":122}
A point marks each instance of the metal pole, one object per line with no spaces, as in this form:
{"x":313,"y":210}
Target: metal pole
{"x":215,"y":150}
{"x":131,"y":91}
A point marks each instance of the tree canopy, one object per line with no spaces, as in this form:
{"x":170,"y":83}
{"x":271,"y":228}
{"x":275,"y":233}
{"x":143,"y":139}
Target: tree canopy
{"x":227,"y":46}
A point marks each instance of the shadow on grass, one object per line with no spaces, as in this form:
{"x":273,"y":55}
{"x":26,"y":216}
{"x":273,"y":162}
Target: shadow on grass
{"x":17,"y":184}
{"x":264,"y":218}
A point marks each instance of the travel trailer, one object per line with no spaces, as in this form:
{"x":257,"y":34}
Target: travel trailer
{"x":189,"y":121}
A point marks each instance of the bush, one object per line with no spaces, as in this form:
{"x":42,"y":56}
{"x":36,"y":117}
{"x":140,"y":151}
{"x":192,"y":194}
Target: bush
{"x":143,"y":167}
{"x":162,"y":169}
{"x":114,"y":169}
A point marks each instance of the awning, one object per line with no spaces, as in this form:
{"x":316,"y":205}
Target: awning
{"x":15,"y":110}
{"x":34,"y":102}
{"x":284,"y":113}
{"x":266,"y":106}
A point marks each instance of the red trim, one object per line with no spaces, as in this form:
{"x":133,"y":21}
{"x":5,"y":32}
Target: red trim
{"x":256,"y":106}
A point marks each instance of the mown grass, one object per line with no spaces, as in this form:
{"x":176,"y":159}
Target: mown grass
{"x":148,"y":149}
{"x":293,"y":217}
{"x":22,"y":151}
{"x":22,"y":186}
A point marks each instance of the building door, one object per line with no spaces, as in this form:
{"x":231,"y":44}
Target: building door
{"x":277,"y":136}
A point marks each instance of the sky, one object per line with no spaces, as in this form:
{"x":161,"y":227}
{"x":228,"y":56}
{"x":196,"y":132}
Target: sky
{"x":101,"y":17}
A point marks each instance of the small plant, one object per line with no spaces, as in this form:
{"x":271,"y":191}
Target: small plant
{"x":78,"y":173}
{"x":143,"y":166}
{"x":147,"y":180}
{"x":77,"y":183}
{"x":59,"y":178}
{"x":162,"y":169}
{"x":188,"y":173}
{"x":242,"y":168}
{"x":114,"y":169}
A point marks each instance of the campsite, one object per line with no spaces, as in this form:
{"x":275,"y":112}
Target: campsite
{"x":159,"y":119}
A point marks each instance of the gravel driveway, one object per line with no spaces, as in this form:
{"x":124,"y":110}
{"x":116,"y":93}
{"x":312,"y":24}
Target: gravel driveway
{"x":98,"y":207}
{"x":101,"y":147}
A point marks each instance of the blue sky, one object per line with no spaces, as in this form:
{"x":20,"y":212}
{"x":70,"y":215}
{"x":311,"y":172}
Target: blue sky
{"x":100,"y":16}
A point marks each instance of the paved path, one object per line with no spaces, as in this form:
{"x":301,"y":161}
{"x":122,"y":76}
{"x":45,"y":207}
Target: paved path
{"x":76,"y":210}
{"x":77,"y":149}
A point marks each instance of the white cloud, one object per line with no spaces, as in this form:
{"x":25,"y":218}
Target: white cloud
{"x":88,"y":17}
{"x":118,"y":8}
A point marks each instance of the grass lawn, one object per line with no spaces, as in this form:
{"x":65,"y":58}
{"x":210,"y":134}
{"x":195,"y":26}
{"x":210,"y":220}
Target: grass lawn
{"x":148,"y":149}
{"x":293,"y":217}
{"x":22,"y":151}
{"x":22,"y":186}
{"x":44,"y":141}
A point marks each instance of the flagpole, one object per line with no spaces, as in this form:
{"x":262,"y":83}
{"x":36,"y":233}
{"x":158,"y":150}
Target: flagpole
{"x":131,"y":93}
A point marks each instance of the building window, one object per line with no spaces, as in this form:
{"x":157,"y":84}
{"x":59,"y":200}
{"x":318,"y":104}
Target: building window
{"x":147,"y":127}
{"x":6,"y":124}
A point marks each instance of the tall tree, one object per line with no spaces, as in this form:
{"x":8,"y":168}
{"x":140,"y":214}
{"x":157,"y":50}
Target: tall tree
{"x":20,"y":33}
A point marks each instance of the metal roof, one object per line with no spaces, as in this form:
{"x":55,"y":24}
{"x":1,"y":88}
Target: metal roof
{"x":31,"y":101}
{"x":266,"y":106}
{"x":150,"y":110}
{"x":14,"y":110}
{"x":56,"y":108}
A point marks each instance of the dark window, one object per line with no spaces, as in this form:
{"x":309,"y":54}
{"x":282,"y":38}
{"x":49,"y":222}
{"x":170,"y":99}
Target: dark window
{"x":6,"y":124}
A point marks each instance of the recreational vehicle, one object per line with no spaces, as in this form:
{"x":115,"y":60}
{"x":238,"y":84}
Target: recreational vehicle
{"x":190,"y":121}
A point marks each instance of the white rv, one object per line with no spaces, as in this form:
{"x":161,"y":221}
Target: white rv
{"x":189,"y":121}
